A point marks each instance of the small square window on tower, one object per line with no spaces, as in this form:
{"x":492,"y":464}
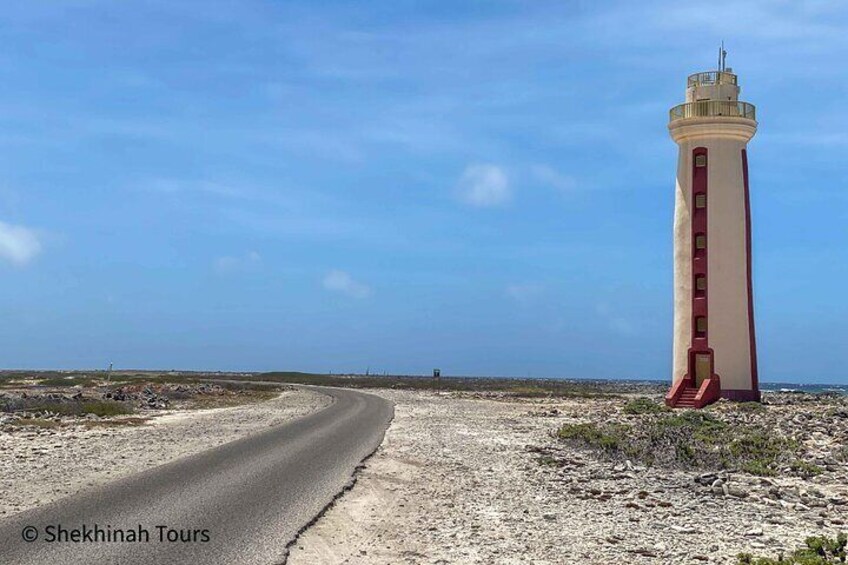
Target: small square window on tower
{"x":700,"y":201}
{"x":700,"y":241}
{"x":701,"y":324}
{"x":700,"y":160}
{"x":701,"y":282}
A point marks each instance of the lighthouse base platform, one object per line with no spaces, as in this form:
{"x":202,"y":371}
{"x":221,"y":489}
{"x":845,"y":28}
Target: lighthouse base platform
{"x":684,"y":393}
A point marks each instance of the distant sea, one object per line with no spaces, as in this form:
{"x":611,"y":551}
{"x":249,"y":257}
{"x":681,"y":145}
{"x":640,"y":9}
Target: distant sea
{"x":773,"y":387}
{"x":800,"y":387}
{"x":796,"y":387}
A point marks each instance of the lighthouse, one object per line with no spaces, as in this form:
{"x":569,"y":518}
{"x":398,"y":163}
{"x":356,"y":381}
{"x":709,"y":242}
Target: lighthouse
{"x":714,"y":348}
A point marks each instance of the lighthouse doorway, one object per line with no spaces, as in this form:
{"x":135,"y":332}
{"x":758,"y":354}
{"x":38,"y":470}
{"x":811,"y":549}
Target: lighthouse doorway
{"x":703,"y":368}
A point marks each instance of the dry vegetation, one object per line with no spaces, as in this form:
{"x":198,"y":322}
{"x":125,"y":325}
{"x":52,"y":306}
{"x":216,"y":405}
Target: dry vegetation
{"x":649,"y":433}
{"x":817,"y":550}
{"x":519,"y":388}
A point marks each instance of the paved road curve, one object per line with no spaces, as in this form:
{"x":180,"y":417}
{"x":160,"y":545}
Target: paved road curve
{"x":252,"y":495}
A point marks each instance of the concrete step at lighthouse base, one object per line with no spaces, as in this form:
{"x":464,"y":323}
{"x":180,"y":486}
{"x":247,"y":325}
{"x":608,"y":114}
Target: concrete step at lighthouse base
{"x":687,"y":398}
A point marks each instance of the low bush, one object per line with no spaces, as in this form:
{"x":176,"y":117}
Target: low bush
{"x":818,"y":550}
{"x":70,"y":380}
{"x":608,"y":438}
{"x":750,"y":407}
{"x":548,"y":461}
{"x":692,"y":440}
{"x":644,"y":405}
{"x":805,"y":469}
{"x":97,"y":407}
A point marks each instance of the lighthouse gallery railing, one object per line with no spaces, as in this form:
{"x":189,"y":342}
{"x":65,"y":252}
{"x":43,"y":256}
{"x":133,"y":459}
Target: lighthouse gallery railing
{"x":713,"y":108}
{"x":711,"y":77}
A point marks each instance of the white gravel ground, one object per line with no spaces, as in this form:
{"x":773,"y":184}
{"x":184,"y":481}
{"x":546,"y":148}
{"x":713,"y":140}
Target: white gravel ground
{"x":455,"y":483}
{"x":38,"y":466}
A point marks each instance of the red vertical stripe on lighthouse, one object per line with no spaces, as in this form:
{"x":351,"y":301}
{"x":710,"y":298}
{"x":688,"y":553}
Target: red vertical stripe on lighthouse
{"x":751,"y":335}
{"x":700,"y":307}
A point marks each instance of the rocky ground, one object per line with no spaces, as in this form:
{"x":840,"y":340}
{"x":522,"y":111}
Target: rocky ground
{"x":482,"y":478}
{"x":27,"y":399}
{"x":49,"y":454}
{"x":472,"y":477}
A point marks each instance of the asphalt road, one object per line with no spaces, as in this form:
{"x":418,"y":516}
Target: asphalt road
{"x":252,"y":496}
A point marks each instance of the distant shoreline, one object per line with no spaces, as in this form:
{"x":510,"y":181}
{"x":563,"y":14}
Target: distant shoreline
{"x":524,"y":386}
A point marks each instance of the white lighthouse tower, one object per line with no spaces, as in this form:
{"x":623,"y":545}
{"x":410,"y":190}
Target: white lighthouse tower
{"x":714,"y":347}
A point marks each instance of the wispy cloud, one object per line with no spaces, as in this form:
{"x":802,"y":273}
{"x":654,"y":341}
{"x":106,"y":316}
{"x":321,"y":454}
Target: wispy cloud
{"x":18,"y":244}
{"x":342,"y":282}
{"x":484,"y":185}
{"x":229,"y":264}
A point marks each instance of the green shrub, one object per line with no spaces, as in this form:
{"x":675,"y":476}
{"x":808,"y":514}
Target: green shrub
{"x":106,"y":408}
{"x":818,"y":550}
{"x":75,"y":380}
{"x":608,"y":439}
{"x":750,"y":407}
{"x":758,"y":451}
{"x":98,"y":407}
{"x":693,"y":439}
{"x":758,"y":467}
{"x":643,"y":405}
{"x":548,"y":461}
{"x":805,"y":469}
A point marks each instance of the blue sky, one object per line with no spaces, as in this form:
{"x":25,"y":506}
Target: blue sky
{"x":485,"y":187}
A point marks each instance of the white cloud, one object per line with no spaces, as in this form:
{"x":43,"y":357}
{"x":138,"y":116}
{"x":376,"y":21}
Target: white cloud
{"x":18,"y":244}
{"x":549,"y":176}
{"x":484,"y":185}
{"x":340,"y":281}
{"x":229,"y":264}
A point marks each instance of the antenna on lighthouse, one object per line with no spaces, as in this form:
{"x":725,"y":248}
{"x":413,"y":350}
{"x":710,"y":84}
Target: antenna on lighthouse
{"x":722,"y":58}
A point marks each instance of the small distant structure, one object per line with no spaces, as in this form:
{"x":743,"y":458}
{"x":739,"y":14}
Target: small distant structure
{"x":437,"y":374}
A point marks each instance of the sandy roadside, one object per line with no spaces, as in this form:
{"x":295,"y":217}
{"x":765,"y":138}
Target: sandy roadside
{"x":38,"y":466}
{"x":454,"y":482}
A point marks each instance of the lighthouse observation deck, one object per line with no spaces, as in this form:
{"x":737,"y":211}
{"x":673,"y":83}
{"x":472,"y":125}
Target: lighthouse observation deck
{"x":711,"y":109}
